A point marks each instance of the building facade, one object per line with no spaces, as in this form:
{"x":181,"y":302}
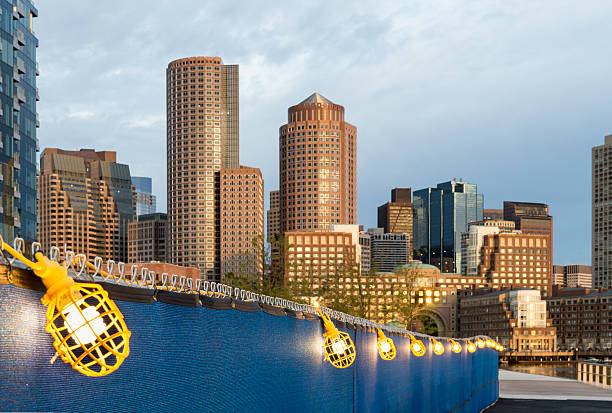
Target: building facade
{"x":493,"y":214}
{"x":202,"y":138}
{"x":601,"y":214}
{"x":366,"y":251}
{"x":318,"y":167}
{"x":396,"y":217}
{"x":517,"y":319}
{"x":441,"y":215}
{"x":273,"y":229}
{"x":242,"y":221}
{"x":143,"y":191}
{"x":514,"y":260}
{"x":531,"y":218}
{"x":147,"y":238}
{"x":18,"y":121}
{"x":86,"y":202}
{"x":573,"y":276}
{"x":471,"y":242}
{"x":388,"y":251}
{"x":583,"y":318}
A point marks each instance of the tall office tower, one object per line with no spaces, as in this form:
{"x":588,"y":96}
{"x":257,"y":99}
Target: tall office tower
{"x":242,"y":221}
{"x":147,"y":238}
{"x":441,"y":215}
{"x":143,"y":191}
{"x":388,"y":251}
{"x":471,"y":242}
{"x":86,"y":202}
{"x":19,"y":119}
{"x":512,"y":260}
{"x":396,"y":217}
{"x":274,"y":216}
{"x":202,"y":138}
{"x":531,"y":218}
{"x":601,"y":213}
{"x":318,"y":167}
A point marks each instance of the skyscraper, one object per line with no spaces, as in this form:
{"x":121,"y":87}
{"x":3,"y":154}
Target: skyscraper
{"x":203,"y":137}
{"x":388,"y":251}
{"x":441,"y":214}
{"x":143,"y":191}
{"x":274,"y":215}
{"x":318,"y":161}
{"x":86,"y":202}
{"x":601,"y":213}
{"x":147,"y":238}
{"x":396,"y":217}
{"x":19,"y":120}
{"x":531,"y":218}
{"x":242,"y":221}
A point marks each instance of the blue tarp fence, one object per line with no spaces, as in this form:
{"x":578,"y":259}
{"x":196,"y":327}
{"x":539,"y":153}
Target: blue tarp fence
{"x":207,"y":360}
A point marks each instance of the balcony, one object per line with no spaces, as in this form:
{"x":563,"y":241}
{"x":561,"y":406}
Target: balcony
{"x":16,"y":135}
{"x":20,"y":37}
{"x":16,"y":164}
{"x":16,"y":106}
{"x":20,"y":94}
{"x":15,"y":44}
{"x":37,"y":95}
{"x":37,"y":120}
{"x":20,"y":64}
{"x":37,"y":69}
{"x":16,"y":75}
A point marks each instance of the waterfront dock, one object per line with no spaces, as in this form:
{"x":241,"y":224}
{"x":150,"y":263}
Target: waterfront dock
{"x":536,"y":393}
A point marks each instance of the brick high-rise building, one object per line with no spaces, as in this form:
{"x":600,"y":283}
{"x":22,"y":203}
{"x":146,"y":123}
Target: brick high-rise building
{"x":86,"y":202}
{"x":147,"y":238}
{"x":274,"y":215}
{"x":19,"y":119}
{"x":396,"y":217}
{"x":601,"y":213}
{"x":242,"y":221}
{"x":202,"y":138}
{"x":512,"y":260}
{"x":531,"y":218}
{"x":318,"y":167}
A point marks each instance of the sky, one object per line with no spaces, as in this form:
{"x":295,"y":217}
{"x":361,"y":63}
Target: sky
{"x":510,"y":95}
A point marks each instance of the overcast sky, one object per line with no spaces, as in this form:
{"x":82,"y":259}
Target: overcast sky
{"x":510,"y":95}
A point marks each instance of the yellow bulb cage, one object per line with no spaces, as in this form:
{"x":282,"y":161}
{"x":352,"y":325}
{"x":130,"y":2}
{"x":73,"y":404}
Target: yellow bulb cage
{"x":480,"y":343}
{"x":489,"y":343}
{"x":87,"y":327}
{"x":470,"y":346}
{"x":455,"y":347}
{"x":337,"y":345}
{"x":437,"y":347}
{"x":416,"y":346}
{"x":386,"y":347}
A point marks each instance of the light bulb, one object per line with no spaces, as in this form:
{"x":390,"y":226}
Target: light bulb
{"x":471,"y":347}
{"x":86,"y":324}
{"x":416,"y":347}
{"x":339,"y":346}
{"x":438,"y":348}
{"x":456,"y":348}
{"x":489,"y":343}
{"x":385,"y":346}
{"x":480,"y":343}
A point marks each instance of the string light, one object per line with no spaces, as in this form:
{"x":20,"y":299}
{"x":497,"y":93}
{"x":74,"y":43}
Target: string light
{"x":489,"y":343}
{"x":88,"y":329}
{"x":417,"y":346}
{"x":470,"y":346}
{"x":337,"y":345}
{"x":437,"y":347}
{"x":480,"y":343}
{"x":386,"y":347}
{"x":455,"y":347}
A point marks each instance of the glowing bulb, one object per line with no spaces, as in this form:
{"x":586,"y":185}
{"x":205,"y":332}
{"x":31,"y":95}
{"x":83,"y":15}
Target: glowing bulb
{"x":455,"y":347}
{"x":385,"y":346}
{"x":489,"y":343}
{"x":471,"y":347}
{"x":86,"y":324}
{"x":416,"y":347}
{"x":480,"y":343}
{"x":338,"y":346}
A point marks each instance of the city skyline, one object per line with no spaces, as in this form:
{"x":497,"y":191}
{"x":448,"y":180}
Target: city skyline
{"x":553,"y":124}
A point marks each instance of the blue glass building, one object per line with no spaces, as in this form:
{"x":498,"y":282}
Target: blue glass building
{"x":143,"y":191}
{"x":441,"y":214}
{"x":18,"y":120}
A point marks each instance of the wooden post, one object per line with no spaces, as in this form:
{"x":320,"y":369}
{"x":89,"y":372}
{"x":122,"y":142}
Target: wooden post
{"x":590,"y":375}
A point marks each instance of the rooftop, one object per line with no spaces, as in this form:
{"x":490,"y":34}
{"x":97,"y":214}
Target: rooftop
{"x":316,"y":98}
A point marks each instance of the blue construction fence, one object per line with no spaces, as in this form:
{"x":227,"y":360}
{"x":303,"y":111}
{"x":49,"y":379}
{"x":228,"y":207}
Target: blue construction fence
{"x":226,"y":360}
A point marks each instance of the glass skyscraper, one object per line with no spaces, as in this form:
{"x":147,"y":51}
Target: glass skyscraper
{"x":143,"y":191}
{"x":441,"y":214}
{"x":18,"y":120}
